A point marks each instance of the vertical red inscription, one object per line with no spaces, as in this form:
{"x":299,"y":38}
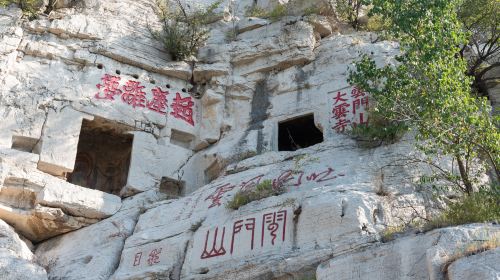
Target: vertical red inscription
{"x":271,"y":223}
{"x":248,"y":226}
{"x":159,"y":102}
{"x":182,"y":108}
{"x":218,"y":193}
{"x":154,"y":256}
{"x":133,"y":94}
{"x":214,"y":252}
{"x":340,"y":110}
{"x":110,"y":85}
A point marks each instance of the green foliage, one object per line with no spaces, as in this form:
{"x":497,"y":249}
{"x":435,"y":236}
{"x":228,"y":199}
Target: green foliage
{"x":183,"y":31}
{"x":481,"y":19}
{"x":390,"y":232}
{"x":479,"y":207}
{"x":256,"y":11}
{"x":276,"y":14}
{"x":379,"y":131}
{"x":262,"y":190}
{"x":428,"y":89}
{"x":350,"y":11}
{"x":31,"y":8}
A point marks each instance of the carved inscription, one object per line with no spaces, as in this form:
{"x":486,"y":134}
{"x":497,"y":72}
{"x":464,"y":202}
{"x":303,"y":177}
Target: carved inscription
{"x":239,"y":237}
{"x":134,"y":94}
{"x":290,"y":178}
{"x":349,"y":110}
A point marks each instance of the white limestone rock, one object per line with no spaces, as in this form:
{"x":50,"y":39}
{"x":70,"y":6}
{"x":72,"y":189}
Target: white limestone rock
{"x":423,"y":256}
{"x":483,"y":265}
{"x":16,"y":258}
{"x":92,"y":252}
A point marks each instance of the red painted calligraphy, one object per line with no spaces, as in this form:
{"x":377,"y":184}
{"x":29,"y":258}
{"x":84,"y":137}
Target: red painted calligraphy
{"x":133,"y":94}
{"x":154,"y":256}
{"x":237,"y":228}
{"x":340,"y":110}
{"x":159,"y":102}
{"x":339,"y":98}
{"x":137,"y":259}
{"x":182,"y":108}
{"x":110,"y":85}
{"x":287,"y":176}
{"x":341,"y":124}
{"x":271,"y":223}
{"x":214,"y":252}
{"x":360,"y":100}
{"x":251,"y":183}
{"x":322,"y":177}
{"x":218,"y":193}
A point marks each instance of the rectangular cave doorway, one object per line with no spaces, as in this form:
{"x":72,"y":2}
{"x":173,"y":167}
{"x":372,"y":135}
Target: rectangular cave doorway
{"x":298,"y":133}
{"x":103,"y":156}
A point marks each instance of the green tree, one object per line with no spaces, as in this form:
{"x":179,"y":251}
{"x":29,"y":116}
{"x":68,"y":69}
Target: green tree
{"x":481,"y":19}
{"x":183,"y":31}
{"x":428,"y":89}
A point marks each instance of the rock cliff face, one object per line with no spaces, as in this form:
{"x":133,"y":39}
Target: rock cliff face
{"x":118,"y":163}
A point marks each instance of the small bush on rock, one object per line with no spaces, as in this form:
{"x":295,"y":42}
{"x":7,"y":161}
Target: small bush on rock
{"x":276,"y":14}
{"x":31,"y":8}
{"x":379,"y":131}
{"x":262,"y":190}
{"x":183,"y":31}
{"x":479,"y":207}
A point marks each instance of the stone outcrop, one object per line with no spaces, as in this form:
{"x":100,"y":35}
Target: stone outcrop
{"x":16,"y":258}
{"x":119,"y":163}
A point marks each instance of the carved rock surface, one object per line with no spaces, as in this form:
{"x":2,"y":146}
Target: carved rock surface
{"x":183,"y":138}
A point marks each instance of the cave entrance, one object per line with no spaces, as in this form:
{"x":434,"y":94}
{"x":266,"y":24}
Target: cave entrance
{"x":103,"y":156}
{"x":298,"y":133}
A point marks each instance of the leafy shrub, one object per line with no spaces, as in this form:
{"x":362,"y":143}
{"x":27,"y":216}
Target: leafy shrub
{"x":31,"y":8}
{"x":183,"y":32}
{"x":262,"y":190}
{"x":479,"y":207}
{"x":276,"y":14}
{"x":379,"y":131}
{"x":256,"y":11}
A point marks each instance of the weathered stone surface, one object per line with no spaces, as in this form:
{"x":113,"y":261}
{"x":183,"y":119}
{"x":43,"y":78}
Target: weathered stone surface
{"x":41,"y":206}
{"x":92,"y":252}
{"x":484,"y":265}
{"x":199,"y":132}
{"x":424,"y":256}
{"x":16,"y":258}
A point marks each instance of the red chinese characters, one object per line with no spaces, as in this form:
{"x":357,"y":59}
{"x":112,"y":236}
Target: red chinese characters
{"x":110,"y":86}
{"x":153,"y":257}
{"x":360,"y":99}
{"x":215,"y":251}
{"x":339,"y":111}
{"x":134,"y":94}
{"x":249,"y":226}
{"x":216,"y":196}
{"x":344,"y":111}
{"x":288,"y":178}
{"x":159,"y":102}
{"x":244,"y":231}
{"x":182,"y":108}
{"x":271,"y":223}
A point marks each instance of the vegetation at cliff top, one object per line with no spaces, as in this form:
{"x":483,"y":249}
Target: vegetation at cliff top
{"x":427,"y":88}
{"x":184,"y":29}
